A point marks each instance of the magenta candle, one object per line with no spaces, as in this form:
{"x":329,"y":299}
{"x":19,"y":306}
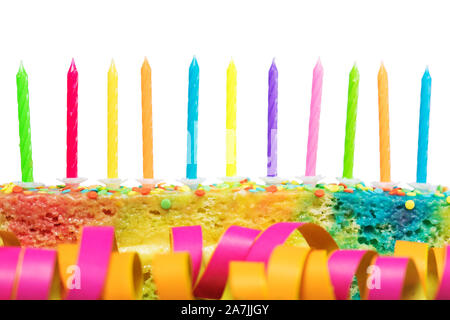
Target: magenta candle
{"x":314,"y":118}
{"x":72,"y":121}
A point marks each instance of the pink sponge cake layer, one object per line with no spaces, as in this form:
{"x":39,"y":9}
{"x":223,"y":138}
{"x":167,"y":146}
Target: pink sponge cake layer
{"x":44,"y":220}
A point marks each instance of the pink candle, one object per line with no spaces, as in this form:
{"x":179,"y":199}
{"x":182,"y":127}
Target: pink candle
{"x":314,"y":118}
{"x":72,"y":121}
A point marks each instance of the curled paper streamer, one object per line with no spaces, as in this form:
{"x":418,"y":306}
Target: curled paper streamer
{"x":189,"y":239}
{"x":285,"y":272}
{"x":93,"y":260}
{"x":38,"y":279}
{"x":425,"y":261}
{"x":92,"y":269}
{"x":174,"y":276}
{"x":399,"y":280}
{"x":444,"y":290}
{"x":250,"y":264}
{"x":246,"y":264}
{"x":9,"y":258}
{"x":247,"y":281}
{"x":234,"y":245}
{"x":344,"y":265}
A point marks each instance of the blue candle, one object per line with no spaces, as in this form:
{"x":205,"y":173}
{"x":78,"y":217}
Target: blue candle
{"x":424,"y":124}
{"x":192,"y":128}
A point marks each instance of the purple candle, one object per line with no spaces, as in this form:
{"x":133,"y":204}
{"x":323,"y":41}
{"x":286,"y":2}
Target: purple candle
{"x":272,"y":122}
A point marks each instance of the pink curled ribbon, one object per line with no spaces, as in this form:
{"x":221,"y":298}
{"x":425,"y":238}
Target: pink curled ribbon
{"x":444,"y":289}
{"x":189,"y":239}
{"x":37,"y":274}
{"x":391,"y":272}
{"x":31,"y":273}
{"x":240,"y":244}
{"x":234,"y":245}
{"x":343,"y":265}
{"x":378,"y":277}
{"x":278,"y":233}
{"x":93,"y":261}
{"x":9,"y":258}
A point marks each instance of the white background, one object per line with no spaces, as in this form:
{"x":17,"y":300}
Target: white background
{"x":406,"y":35}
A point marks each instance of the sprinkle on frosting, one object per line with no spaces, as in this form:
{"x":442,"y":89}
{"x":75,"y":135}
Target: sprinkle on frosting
{"x":409,"y":204}
{"x":166,"y":204}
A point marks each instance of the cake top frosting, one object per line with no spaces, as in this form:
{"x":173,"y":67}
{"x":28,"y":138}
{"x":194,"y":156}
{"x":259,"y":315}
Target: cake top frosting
{"x":243,"y":186}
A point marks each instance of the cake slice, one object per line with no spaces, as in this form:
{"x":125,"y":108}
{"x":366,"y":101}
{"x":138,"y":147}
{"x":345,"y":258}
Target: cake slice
{"x":355,"y":216}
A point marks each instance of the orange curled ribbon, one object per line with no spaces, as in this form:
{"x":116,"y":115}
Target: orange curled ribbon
{"x":250,"y":264}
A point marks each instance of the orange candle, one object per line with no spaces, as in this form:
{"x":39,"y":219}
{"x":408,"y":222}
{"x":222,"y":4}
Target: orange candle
{"x":383,"y":114}
{"x":147,"y":122}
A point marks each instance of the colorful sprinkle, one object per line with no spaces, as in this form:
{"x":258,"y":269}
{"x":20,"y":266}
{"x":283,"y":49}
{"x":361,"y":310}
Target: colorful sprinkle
{"x":333,"y":188}
{"x":17,"y":189}
{"x":410,"y":204}
{"x":166,"y":204}
{"x":200,"y":192}
{"x":319,"y":193}
{"x":92,"y":195}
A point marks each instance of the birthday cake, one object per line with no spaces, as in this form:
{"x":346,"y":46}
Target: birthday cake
{"x":359,"y":216}
{"x":356,"y":215}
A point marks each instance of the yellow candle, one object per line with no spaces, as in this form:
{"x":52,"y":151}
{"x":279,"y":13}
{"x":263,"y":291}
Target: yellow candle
{"x":231,"y":120}
{"x":112,"y":122}
{"x":147,"y":122}
{"x":383,"y":114}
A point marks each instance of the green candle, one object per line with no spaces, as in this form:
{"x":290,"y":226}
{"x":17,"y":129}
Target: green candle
{"x":24,"y":125}
{"x":350,"y":127}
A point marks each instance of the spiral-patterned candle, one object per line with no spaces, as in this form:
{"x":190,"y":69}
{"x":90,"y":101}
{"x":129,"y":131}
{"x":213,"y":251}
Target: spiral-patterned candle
{"x":26,"y":160}
{"x":112,"y":122}
{"x":272,"y":126}
{"x":192,"y":125}
{"x":314,"y":118}
{"x":383,"y":114}
{"x":72,"y":122}
{"x":147,"y":121}
{"x":231,"y":120}
{"x":350,"y":126}
{"x":424,"y":124}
